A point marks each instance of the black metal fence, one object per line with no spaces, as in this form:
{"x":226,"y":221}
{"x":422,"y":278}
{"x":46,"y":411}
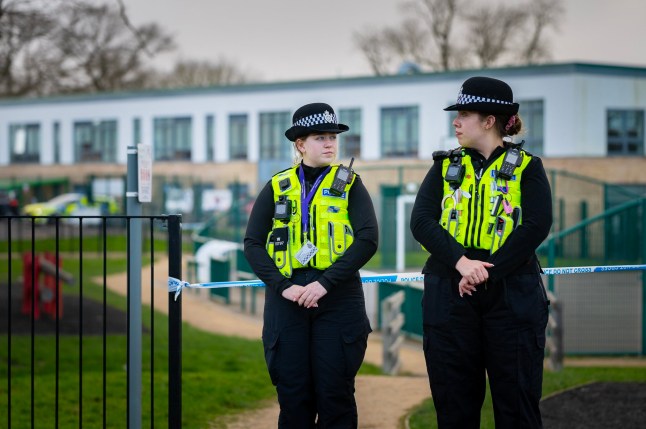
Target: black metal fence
{"x":65,"y":305}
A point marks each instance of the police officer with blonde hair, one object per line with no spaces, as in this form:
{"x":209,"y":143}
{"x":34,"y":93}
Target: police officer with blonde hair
{"x":481,"y":212}
{"x":312,"y":228}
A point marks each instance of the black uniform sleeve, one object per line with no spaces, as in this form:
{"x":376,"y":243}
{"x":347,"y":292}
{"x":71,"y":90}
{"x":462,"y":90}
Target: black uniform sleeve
{"x":366,"y":238}
{"x":258,"y":228}
{"x":536,"y":205}
{"x":424,"y":221}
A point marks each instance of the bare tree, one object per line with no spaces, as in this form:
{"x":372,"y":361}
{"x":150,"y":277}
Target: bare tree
{"x":495,"y":35}
{"x":372,"y":45}
{"x":23,"y":39}
{"x":64,"y":46}
{"x":100,"y":52}
{"x":491,"y":30}
{"x":407,"y":42}
{"x":422,"y":37}
{"x":189,"y":73}
{"x":439,"y":17}
{"x":541,"y":15}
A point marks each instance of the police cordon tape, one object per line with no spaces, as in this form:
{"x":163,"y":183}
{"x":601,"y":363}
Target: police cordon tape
{"x":176,"y":285}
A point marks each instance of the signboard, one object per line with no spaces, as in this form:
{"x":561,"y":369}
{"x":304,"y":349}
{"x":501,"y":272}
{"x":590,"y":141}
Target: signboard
{"x":218,"y":200}
{"x":145,"y":173}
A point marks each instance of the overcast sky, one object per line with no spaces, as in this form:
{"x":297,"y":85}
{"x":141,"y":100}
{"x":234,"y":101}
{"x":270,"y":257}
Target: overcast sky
{"x":307,"y":39}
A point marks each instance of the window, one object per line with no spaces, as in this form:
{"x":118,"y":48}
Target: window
{"x":210,"y":138}
{"x":57,"y":142}
{"x":399,"y":131}
{"x":25,"y":143}
{"x":172,"y":139}
{"x":136,"y":131}
{"x":350,"y":141}
{"x":95,"y":141}
{"x":625,"y":132}
{"x":273,"y":143}
{"x":238,"y":135}
{"x":531,"y":113}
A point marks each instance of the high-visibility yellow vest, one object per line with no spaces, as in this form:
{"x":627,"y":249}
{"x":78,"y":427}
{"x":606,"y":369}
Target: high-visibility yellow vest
{"x":484,"y":210}
{"x":329,"y":226}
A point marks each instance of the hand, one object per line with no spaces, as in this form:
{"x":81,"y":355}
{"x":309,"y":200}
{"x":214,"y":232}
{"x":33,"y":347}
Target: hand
{"x":466,"y":287}
{"x":311,"y":295}
{"x":474,"y":271}
{"x":293,"y":292}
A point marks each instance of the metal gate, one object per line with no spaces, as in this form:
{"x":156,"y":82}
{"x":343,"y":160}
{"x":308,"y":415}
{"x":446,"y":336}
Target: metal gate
{"x":77,"y":350}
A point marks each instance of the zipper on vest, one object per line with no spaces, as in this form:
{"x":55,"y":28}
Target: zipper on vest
{"x":466,"y":238}
{"x":313,"y":234}
{"x":482,"y":213}
{"x":476,"y":212}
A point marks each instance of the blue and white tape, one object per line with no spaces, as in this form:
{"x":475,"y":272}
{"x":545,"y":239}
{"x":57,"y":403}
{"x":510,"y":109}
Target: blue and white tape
{"x":176,"y":285}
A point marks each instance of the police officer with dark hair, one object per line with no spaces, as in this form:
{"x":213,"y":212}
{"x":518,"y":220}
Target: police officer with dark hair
{"x":312,"y":228}
{"x":481,"y":212}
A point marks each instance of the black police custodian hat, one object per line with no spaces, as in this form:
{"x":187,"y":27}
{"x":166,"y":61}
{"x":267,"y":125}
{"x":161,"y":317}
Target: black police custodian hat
{"x":486,"y":95}
{"x":314,"y":118}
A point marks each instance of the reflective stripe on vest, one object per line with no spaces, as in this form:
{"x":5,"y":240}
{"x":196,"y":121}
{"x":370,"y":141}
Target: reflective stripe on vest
{"x":488,"y":209}
{"x":329,"y":225}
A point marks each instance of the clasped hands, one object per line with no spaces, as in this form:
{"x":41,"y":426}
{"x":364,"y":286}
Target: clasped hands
{"x":306,"y":296}
{"x":473,"y":273}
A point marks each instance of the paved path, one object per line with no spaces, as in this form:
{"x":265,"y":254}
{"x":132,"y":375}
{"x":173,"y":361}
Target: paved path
{"x":383,"y":401}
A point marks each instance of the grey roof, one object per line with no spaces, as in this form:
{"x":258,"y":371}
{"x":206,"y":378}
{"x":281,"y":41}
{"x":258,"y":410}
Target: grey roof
{"x":506,"y":72}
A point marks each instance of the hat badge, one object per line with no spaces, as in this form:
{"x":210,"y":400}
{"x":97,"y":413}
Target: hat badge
{"x":328,"y":116}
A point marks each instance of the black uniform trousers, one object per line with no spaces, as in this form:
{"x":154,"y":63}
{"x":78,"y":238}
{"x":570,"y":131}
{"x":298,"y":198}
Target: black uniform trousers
{"x":499,"y":330}
{"x":313,"y":355}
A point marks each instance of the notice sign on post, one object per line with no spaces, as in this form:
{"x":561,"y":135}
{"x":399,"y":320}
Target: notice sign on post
{"x":145,"y":173}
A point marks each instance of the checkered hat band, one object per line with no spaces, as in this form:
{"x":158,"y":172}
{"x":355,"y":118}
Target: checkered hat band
{"x":316,"y":119}
{"x":468,"y":99}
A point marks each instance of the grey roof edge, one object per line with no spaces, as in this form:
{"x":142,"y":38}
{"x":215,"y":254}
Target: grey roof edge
{"x":507,"y":72}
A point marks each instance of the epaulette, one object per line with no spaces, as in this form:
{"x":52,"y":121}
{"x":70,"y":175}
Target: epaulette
{"x":440,"y":155}
{"x":451,"y":153}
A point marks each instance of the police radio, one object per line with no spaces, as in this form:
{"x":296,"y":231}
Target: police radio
{"x":512,"y":160}
{"x":282,"y":209}
{"x":342,"y":177}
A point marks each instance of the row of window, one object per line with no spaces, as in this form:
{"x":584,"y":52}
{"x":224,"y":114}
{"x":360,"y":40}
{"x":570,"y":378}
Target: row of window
{"x":173,"y":136}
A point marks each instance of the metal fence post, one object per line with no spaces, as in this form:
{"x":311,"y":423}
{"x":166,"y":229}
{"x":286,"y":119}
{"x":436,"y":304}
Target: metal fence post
{"x":643,"y":274}
{"x":174,"y":325}
{"x":133,"y":208}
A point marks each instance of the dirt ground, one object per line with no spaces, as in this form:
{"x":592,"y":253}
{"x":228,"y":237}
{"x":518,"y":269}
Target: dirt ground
{"x":383,"y":401}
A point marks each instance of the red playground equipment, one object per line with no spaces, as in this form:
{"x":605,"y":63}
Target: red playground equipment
{"x":42,"y":295}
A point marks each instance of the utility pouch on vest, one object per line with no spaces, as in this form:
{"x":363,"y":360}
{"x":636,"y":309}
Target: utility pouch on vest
{"x":503,"y":227}
{"x":278,"y":249}
{"x":340,"y":237}
{"x":516,"y":216}
{"x":450,"y":220}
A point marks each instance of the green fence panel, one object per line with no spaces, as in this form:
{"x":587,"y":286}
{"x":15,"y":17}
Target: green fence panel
{"x":388,"y":241}
{"x":220,"y":273}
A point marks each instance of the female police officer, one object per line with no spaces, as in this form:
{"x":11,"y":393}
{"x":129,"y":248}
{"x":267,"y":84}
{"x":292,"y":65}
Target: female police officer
{"x":311,"y":228}
{"x":481,"y":212}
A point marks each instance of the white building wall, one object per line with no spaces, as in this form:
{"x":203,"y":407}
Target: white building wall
{"x":575,"y":106}
{"x":4,"y":142}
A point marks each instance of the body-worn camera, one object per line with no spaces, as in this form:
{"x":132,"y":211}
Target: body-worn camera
{"x":282,"y":209}
{"x":342,"y":177}
{"x":455,"y":174}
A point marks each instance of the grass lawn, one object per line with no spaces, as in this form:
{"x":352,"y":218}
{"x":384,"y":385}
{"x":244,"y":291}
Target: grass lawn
{"x":423,"y":416}
{"x":221,"y":375}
